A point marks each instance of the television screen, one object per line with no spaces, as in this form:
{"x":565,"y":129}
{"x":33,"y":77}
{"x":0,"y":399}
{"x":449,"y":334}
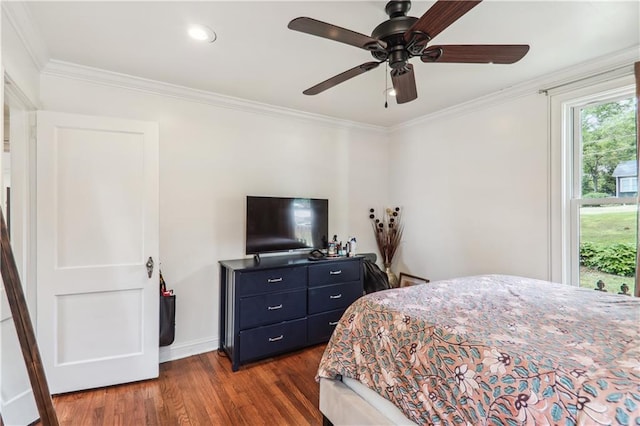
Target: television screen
{"x":283,"y":224}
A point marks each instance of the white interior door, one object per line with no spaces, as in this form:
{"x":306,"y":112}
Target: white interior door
{"x":97,"y":226}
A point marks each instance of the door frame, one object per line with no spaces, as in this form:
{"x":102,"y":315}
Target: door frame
{"x":22,"y":407}
{"x":14,"y":96}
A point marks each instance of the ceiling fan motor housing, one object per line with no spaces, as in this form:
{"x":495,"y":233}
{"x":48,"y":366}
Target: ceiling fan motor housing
{"x":392,"y":32}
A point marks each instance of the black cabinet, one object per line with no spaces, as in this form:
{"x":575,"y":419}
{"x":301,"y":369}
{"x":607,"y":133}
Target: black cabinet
{"x":320,"y":326}
{"x":282,"y":303}
{"x":261,"y":342}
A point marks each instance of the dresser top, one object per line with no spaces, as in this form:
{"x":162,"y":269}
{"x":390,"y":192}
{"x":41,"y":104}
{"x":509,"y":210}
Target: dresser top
{"x":268,"y":262}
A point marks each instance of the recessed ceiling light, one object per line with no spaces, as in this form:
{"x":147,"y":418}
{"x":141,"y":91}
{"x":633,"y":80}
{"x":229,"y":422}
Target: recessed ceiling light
{"x":202,"y":33}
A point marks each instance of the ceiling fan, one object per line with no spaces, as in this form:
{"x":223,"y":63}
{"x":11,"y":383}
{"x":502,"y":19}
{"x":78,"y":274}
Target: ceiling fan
{"x":402,"y":37}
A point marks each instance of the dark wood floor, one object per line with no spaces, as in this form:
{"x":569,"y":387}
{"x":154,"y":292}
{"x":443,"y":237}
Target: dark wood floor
{"x":202,"y":390}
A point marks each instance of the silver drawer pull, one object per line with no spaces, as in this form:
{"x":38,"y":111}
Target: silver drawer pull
{"x":275,"y":339}
{"x":274,"y":280}
{"x":338,"y":272}
{"x":332,"y":323}
{"x":273,"y":308}
{"x":335,"y":296}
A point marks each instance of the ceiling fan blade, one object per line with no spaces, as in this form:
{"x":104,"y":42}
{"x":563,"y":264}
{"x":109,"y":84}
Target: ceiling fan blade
{"x":340,"y":78}
{"x":475,"y":53}
{"x":333,"y":32}
{"x":439,"y":16}
{"x":404,"y":83}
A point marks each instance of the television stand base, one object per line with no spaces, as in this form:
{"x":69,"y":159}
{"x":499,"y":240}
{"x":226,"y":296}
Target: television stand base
{"x":256,"y":258}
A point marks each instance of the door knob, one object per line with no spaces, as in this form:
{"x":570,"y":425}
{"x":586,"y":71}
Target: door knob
{"x":150,"y":266}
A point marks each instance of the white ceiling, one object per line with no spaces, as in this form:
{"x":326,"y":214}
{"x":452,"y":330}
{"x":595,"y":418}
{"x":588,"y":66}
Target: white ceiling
{"x":257,"y":58}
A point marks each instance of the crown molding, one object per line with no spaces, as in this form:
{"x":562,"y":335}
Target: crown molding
{"x":19,"y":17}
{"x":607,"y":67}
{"x":13,"y":92}
{"x":108,"y":78}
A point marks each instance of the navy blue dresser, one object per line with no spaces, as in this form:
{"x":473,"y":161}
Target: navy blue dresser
{"x":283,"y":303}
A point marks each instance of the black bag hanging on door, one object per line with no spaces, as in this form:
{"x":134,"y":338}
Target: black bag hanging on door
{"x":167,"y":314}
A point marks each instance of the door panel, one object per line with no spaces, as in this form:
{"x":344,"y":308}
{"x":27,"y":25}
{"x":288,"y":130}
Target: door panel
{"x":99,"y":191}
{"x":80,"y":341}
{"x":97,"y":224}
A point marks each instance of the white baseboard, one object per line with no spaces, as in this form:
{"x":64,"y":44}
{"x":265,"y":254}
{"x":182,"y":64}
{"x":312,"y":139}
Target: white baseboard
{"x":183,"y":350}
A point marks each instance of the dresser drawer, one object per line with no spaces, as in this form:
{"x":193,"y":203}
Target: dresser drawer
{"x":321,"y":326}
{"x":273,"y":339}
{"x":272,"y":307}
{"x":334,"y":272}
{"x":270,"y":280}
{"x":330,"y":297}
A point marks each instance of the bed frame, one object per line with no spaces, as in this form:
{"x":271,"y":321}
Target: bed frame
{"x":340,"y":404}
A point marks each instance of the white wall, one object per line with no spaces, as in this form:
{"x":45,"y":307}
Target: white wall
{"x":475,"y":191}
{"x":210,"y":159}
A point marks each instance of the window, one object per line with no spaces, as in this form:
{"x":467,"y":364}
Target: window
{"x":603,"y":211}
{"x":629,"y":184}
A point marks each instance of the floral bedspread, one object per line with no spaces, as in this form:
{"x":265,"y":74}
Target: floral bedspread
{"x":495,"y":349}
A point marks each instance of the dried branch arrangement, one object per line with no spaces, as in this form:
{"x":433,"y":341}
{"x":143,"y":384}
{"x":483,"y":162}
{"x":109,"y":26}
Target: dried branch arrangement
{"x":388,"y":232}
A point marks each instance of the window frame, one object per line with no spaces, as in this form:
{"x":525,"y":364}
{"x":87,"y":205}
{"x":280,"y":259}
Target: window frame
{"x":560,"y":102}
{"x":575,"y":195}
{"x":632,"y":184}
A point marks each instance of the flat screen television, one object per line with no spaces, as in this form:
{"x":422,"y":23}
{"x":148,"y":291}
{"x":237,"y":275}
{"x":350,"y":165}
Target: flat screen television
{"x":282,"y":224}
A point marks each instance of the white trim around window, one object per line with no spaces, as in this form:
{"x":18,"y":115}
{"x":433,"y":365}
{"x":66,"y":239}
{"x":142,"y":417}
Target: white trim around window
{"x":563,"y":205}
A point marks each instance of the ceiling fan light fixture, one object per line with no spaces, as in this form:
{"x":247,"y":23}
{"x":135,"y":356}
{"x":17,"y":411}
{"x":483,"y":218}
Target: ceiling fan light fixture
{"x":391,"y":91}
{"x":202,"y":33}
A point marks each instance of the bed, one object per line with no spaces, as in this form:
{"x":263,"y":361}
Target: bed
{"x":489,"y":349}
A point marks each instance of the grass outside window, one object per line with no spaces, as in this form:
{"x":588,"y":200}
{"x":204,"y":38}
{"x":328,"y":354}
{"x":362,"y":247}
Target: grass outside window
{"x":606,"y":226}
